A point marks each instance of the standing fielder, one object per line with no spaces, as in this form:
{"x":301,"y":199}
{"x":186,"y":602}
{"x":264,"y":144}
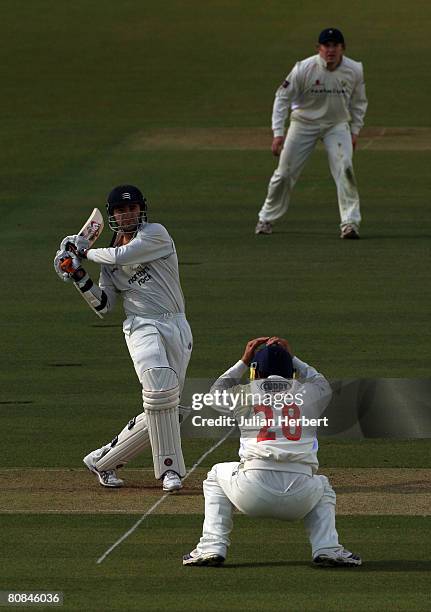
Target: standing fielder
{"x":326,"y":97}
{"x":142,"y":266}
{"x":277,"y":474}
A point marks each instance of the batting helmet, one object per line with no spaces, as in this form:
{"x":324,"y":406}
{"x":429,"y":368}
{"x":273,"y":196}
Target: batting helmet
{"x":121,"y":195}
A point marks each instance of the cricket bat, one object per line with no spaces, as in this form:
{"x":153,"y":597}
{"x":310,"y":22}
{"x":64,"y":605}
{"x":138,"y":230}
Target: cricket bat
{"x":93,"y":227}
{"x":91,"y":230}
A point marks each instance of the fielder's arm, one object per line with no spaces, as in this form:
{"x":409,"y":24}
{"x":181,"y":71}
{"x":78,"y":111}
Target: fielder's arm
{"x":226,"y":387}
{"x":358,"y":104}
{"x":285,"y":94}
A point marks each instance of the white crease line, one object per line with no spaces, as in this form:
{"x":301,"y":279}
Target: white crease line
{"x":159,"y":501}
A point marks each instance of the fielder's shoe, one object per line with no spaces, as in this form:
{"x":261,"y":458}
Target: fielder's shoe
{"x":349,"y":232}
{"x":108,"y":478}
{"x":171,"y":482}
{"x":340,"y":558}
{"x":263,"y":227}
{"x":200,"y":559}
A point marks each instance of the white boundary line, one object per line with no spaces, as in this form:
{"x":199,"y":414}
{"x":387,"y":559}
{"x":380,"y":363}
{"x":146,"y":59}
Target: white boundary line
{"x":159,"y":501}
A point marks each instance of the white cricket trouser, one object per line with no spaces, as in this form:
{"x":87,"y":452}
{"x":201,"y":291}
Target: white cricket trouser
{"x":300,"y":142}
{"x":267,"y":493}
{"x":161,"y":342}
{"x":165,"y":341}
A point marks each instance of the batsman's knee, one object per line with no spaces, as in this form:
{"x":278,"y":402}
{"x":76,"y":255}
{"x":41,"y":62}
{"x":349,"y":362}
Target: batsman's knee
{"x":160,"y":389}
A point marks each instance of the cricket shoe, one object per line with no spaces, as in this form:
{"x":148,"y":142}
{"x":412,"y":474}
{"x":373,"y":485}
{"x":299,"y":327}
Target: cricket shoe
{"x":202,"y":559}
{"x":263,"y":227}
{"x":107,"y":478}
{"x":171,"y":482}
{"x":349,"y":232}
{"x":340,"y":558}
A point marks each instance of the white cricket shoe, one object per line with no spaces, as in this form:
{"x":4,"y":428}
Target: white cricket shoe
{"x":107,"y":478}
{"x":339,"y":558}
{"x":349,"y":232}
{"x":200,"y":559}
{"x":263,"y":227}
{"x":171,"y":482}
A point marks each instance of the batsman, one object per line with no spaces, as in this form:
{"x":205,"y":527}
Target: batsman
{"x":141,"y":266}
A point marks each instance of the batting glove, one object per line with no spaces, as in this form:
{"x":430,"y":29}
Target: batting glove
{"x":78,"y":244}
{"x":65,"y":264}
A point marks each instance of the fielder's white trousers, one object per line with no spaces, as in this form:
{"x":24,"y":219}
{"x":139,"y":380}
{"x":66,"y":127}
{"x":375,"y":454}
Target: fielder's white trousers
{"x":267,"y":493}
{"x":161,"y":342}
{"x":300,"y":142}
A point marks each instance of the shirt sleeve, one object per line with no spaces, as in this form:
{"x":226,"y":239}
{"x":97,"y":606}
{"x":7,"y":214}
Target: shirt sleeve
{"x":107,"y":287}
{"x":316,"y":387}
{"x":358,"y":104}
{"x":144,"y":248}
{"x":288,"y":91}
{"x":102,"y":297}
{"x":226,"y":387}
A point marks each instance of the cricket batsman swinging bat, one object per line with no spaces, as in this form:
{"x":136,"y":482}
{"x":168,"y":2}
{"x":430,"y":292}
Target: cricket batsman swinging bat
{"x":91,"y":230}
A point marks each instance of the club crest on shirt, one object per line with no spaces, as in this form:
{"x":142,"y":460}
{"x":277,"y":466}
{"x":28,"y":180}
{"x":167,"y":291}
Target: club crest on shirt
{"x":285,"y":84}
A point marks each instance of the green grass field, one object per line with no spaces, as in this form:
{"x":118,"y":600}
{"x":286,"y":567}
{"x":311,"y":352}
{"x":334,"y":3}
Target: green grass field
{"x":267,"y":570}
{"x":84,"y":86}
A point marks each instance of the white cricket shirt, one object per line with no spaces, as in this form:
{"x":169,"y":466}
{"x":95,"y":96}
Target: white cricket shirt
{"x":264,"y":413}
{"x":144,"y":272}
{"x":315,"y":94}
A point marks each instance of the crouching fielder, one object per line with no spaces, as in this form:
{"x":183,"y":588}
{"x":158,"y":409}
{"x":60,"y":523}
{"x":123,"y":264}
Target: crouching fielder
{"x":276,"y":476}
{"x":142,"y":267}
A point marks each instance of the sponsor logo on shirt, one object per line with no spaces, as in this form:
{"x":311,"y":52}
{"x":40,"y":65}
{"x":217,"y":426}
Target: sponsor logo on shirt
{"x":274,"y":385}
{"x":141,"y":276}
{"x":319,"y":88}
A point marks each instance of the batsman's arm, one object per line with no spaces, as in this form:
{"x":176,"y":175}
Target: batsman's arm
{"x":101,"y":299}
{"x":144,"y":248}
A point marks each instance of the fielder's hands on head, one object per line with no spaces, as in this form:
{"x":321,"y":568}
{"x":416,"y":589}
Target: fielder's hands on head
{"x":66,"y":264}
{"x":77,"y":244}
{"x":277,"y":145}
{"x":282,"y":342}
{"x":251,"y":348}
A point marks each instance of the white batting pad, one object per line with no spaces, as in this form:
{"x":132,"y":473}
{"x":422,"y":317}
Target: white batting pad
{"x":128,"y":444}
{"x":161,"y":395}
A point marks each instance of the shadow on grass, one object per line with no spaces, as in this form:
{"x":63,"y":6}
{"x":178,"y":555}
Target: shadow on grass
{"x":325,"y":234}
{"x":399,"y":565}
{"x":268,"y":564}
{"x":403,"y":565}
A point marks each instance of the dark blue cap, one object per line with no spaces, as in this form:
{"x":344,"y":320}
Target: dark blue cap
{"x":331,"y":35}
{"x":125,"y":194}
{"x":273,"y":360}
